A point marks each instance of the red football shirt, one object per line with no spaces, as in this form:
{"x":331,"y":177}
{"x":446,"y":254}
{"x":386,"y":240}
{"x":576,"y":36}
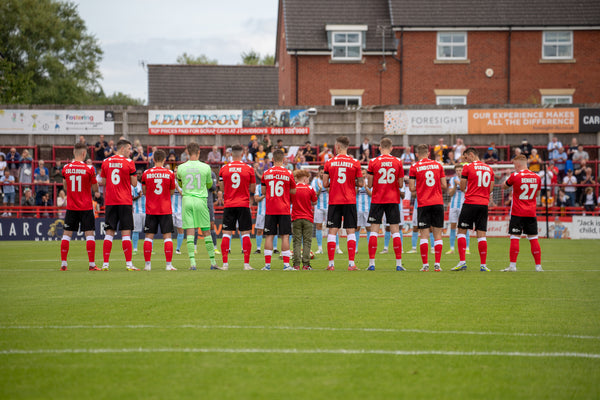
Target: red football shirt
{"x":388,"y":175}
{"x":80,"y":178}
{"x":237,"y":177}
{"x":343,"y":171}
{"x":277,"y":181}
{"x":428,"y":175}
{"x":479,"y":177}
{"x":526,"y":185}
{"x":159,"y":182}
{"x":117,"y":171}
{"x":302,"y":202}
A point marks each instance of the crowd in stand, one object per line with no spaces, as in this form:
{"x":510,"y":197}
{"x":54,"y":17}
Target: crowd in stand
{"x":567,"y":170}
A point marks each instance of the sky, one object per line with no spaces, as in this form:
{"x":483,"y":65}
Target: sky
{"x":136,"y":32}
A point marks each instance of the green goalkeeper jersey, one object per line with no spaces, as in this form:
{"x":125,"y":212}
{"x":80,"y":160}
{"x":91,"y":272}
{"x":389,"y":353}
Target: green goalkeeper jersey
{"x":194,"y":178}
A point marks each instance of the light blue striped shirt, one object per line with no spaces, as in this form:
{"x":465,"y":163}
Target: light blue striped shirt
{"x":139,"y":205}
{"x":176,"y":200}
{"x":457,"y":199}
{"x":363,"y":200}
{"x":322,"y":195}
{"x":260,"y":207}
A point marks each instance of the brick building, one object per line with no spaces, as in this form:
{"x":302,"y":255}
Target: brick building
{"x":414,"y":52}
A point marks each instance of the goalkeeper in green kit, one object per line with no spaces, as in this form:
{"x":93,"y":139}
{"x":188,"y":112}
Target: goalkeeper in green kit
{"x":195,"y":179}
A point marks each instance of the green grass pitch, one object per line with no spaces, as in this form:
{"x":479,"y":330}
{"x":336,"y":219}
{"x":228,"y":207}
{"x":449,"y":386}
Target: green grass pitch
{"x":300,"y":335}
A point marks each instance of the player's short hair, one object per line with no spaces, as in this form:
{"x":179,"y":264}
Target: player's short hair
{"x":122,"y":143}
{"x":343,"y":141}
{"x":521,"y":158}
{"x":386,"y":143}
{"x":237,"y":149}
{"x":160,"y":155}
{"x":471,"y":150}
{"x":193,"y":148}
{"x":79,"y":147}
{"x":422,"y":149}
{"x":457,"y":166}
{"x":301,"y":173}
{"x":278,"y":155}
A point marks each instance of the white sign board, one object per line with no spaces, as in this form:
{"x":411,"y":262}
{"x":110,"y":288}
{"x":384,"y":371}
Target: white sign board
{"x":57,"y":122}
{"x":426,"y":122}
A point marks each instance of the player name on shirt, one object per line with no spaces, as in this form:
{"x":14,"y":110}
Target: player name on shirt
{"x":277,"y":176}
{"x":427,"y":167}
{"x":335,"y":163}
{"x":158,"y":175}
{"x":115,"y":165}
{"x":529,"y":180}
{"x":81,"y":170}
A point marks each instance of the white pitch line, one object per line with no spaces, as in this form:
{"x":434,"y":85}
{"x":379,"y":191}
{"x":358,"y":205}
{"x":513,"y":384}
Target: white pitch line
{"x":305,"y":351}
{"x":303,"y":328}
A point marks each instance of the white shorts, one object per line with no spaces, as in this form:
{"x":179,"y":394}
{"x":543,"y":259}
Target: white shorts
{"x":260,"y":221}
{"x":138,"y":222}
{"x":320,"y":216}
{"x":453,"y":214}
{"x":177,"y":221}
{"x":414,"y":217}
{"x":362,"y":218}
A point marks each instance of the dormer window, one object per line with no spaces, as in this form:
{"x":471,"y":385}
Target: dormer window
{"x":346,"y":41}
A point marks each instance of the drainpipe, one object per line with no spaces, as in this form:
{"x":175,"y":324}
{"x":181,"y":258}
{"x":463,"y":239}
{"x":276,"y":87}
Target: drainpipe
{"x":296,"y":56}
{"x":508,"y":66}
{"x":400,"y":62}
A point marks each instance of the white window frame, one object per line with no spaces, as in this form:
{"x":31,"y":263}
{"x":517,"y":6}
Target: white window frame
{"x":547,"y":42}
{"x":557,"y":99}
{"x":451,"y":100}
{"x":346,"y":98}
{"x":346,"y":44}
{"x":452,"y":45}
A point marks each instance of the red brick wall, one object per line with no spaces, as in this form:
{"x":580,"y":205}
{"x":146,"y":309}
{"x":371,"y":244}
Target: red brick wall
{"x":421,"y":75}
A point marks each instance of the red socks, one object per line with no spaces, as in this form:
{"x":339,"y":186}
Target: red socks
{"x":461,"y":242}
{"x":107,"y":248}
{"x":514,"y":249}
{"x":127,"y":248}
{"x":536,"y":250}
{"x":64,"y":249}
{"x":424,"y":250}
{"x":225,"y":248}
{"x":90,"y":245}
{"x":373,"y":246}
{"x":247,"y":246}
{"x":331,"y":247}
{"x":482,"y":246}
{"x":351,"y":243}
{"x":438,"y":246}
{"x":147,"y":250}
{"x":397,"y":241}
{"x":168,"y":246}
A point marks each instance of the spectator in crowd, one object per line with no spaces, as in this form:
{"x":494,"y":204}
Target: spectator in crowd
{"x":588,"y":200}
{"x":259,"y":170}
{"x":61,"y":203}
{"x":534,"y":161}
{"x":560,"y":160}
{"x":563,"y":199}
{"x":407,"y":157}
{"x":572,"y":148}
{"x":325,"y":154}
{"x":280,"y":146}
{"x":555,"y":180}
{"x":88,"y":161}
{"x":56,"y":174}
{"x":82,"y":140}
{"x":151,"y":157}
{"x":310,"y":155}
{"x":26,"y":170}
{"x":580,"y":156}
{"x":253,"y":148}
{"x":546,"y":176}
{"x":28,"y":200}
{"x":8,"y":190}
{"x":140,"y":158}
{"x":41,"y":179}
{"x":261,"y":154}
{"x":185,"y":155}
{"x":2,"y":154}
{"x":252,"y":140}
{"x":228,"y":157}
{"x":570,"y":189}
{"x":172,"y":160}
{"x":214,"y":157}
{"x":526,"y":147}
{"x":44,"y":201}
{"x":13,"y":161}
{"x":364,"y":156}
{"x":587,"y":179}
{"x":553,"y":147}
{"x":41,"y":165}
{"x":219,"y":201}
{"x":440,"y":149}
{"x":99,"y":148}
{"x":458,"y":148}
{"x":267,"y":143}
{"x":110,"y":150}
{"x":301,"y":162}
{"x":365,"y":146}
{"x":3,"y":164}
{"x":490,"y":156}
{"x":246,"y":156}
{"x":517,"y":151}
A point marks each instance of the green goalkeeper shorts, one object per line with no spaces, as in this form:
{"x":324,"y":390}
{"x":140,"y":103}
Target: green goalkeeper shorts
{"x":195,"y":213}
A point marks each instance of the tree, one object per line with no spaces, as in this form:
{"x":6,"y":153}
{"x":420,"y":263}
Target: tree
{"x":253,"y":58}
{"x":188,"y":59}
{"x":117,"y":98}
{"x":46,"y":54}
